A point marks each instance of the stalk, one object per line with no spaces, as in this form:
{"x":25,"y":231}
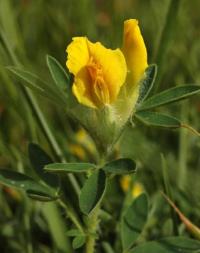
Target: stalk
{"x":93,"y":223}
{"x":93,"y":219}
{"x":183,"y":146}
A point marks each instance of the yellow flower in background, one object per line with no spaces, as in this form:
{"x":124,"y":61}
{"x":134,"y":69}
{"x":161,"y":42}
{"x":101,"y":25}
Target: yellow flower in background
{"x":84,"y":139}
{"x":99,"y":73}
{"x":78,"y":151}
{"x":137,"y":189}
{"x":125,"y":183}
{"x":83,"y":144}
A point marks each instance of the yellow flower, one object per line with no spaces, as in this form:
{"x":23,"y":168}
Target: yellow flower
{"x":137,"y":189}
{"x":83,"y":145}
{"x":78,"y":151}
{"x":125,"y":183}
{"x":84,"y":139}
{"x":106,"y":82}
{"x":99,"y":73}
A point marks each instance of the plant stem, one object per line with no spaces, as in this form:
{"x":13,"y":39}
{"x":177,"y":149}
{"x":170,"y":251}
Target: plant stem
{"x":93,"y":222}
{"x":183,"y":146}
{"x":107,"y":247}
{"x":71,"y":214}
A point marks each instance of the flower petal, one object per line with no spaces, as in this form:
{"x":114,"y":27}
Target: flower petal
{"x":134,"y":50}
{"x":98,"y":72}
{"x":113,"y":65}
{"x":78,"y":54}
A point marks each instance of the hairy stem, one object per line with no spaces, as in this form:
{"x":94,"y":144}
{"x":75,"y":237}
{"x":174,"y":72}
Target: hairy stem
{"x":93,"y":223}
{"x":93,"y":220}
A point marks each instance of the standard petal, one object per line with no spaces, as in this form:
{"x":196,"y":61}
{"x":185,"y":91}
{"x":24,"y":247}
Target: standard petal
{"x":134,"y":50}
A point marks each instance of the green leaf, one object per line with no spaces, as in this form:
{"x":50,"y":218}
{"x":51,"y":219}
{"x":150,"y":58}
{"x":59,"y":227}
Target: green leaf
{"x":169,"y":96}
{"x":31,"y":80}
{"x":78,"y":242}
{"x":58,"y":73}
{"x":92,"y":191}
{"x":39,"y":158}
{"x":74,"y":232}
{"x":133,"y":221}
{"x":157,"y":119}
{"x":147,"y":84}
{"x":69,"y":167}
{"x":169,"y":245}
{"x":40,"y":196}
{"x":35,"y":83}
{"x":120,"y":166}
{"x":23,"y":182}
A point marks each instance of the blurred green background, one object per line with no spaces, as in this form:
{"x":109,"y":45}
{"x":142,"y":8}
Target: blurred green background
{"x":33,"y":29}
